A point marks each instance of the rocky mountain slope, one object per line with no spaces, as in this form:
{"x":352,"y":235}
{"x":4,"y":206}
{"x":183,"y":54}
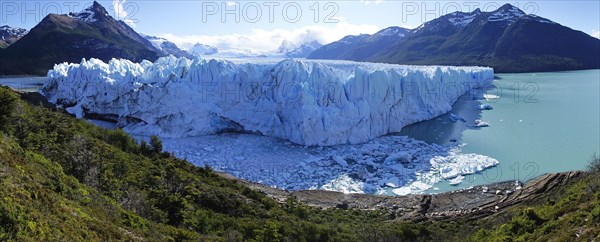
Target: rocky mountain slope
{"x":506,"y":39}
{"x":91,"y":33}
{"x":9,"y":35}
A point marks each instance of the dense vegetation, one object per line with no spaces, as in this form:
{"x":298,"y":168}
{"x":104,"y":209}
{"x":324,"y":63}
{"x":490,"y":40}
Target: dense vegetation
{"x":573,"y":212}
{"x":64,"y":179}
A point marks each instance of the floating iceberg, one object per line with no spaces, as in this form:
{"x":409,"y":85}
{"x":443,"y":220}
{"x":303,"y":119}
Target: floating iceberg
{"x":485,"y":106}
{"x":454,"y":118}
{"x":479,"y":123}
{"x":307,"y":102}
{"x":457,"y":180}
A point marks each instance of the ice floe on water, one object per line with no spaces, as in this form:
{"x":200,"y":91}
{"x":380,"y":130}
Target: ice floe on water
{"x":390,"y":165}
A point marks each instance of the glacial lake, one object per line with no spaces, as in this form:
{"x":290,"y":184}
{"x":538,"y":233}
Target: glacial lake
{"x":540,"y":123}
{"x":23,"y":83}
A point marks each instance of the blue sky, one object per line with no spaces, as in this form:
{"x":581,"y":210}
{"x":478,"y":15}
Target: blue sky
{"x":237,"y":24}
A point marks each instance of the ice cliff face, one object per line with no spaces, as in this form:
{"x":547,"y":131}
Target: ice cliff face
{"x":306,"y":102}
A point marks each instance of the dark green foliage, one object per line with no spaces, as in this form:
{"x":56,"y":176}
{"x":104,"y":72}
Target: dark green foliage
{"x":571,"y":213}
{"x":155,"y":144}
{"x":7,"y":104}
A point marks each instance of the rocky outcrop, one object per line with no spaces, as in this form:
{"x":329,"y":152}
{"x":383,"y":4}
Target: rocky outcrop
{"x":475,"y":202}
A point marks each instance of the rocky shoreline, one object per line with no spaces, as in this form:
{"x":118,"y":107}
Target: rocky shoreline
{"x":476,"y":202}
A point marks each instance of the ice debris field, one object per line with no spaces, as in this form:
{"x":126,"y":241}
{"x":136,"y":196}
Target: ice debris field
{"x":346,"y":105}
{"x":388,"y":165}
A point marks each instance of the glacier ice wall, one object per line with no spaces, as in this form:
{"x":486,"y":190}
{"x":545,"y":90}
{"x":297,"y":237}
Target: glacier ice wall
{"x":306,"y":102}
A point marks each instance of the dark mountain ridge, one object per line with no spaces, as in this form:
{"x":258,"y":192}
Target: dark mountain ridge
{"x":92,"y":33}
{"x":506,"y":39}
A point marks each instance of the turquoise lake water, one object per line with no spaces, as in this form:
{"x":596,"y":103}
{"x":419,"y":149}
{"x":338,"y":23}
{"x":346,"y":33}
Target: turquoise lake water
{"x":26,"y":84}
{"x":541,"y":123}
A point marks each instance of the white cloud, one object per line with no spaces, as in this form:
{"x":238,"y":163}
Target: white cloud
{"x":261,"y":40}
{"x":121,"y":12}
{"x":596,"y":33}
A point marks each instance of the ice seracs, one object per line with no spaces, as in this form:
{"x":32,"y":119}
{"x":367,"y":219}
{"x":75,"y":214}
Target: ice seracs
{"x":307,"y":102}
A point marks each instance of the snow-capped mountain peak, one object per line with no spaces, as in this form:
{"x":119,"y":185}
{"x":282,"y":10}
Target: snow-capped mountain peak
{"x":156,"y":41}
{"x":7,"y":32}
{"x":506,"y":13}
{"x":461,"y":19}
{"x":392,"y":31}
{"x":202,"y":49}
{"x":291,"y":50}
{"x":166,"y":47}
{"x":91,"y":14}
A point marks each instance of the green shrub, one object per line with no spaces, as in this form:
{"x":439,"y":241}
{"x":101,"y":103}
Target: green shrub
{"x":8,"y":101}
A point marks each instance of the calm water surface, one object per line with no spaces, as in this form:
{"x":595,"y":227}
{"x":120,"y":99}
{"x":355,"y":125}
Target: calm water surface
{"x":541,"y":123}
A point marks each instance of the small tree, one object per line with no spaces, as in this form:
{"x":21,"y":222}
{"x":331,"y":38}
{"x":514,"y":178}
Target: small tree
{"x":144,"y":148}
{"x":156,"y":145}
{"x":594,"y":164}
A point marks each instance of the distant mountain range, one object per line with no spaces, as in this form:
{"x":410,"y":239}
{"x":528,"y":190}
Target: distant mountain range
{"x":167,"y":47}
{"x":10,"y":35}
{"x":360,"y":47}
{"x":202,"y":50}
{"x":68,"y":38}
{"x":507,"y":39}
{"x":303,"y":50}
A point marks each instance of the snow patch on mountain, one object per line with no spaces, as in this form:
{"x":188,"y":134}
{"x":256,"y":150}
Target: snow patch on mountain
{"x":157,"y":42}
{"x":7,"y":32}
{"x":307,"y":102}
{"x":392,"y":31}
{"x":507,"y":12}
{"x":86,"y":15}
{"x":166,"y":47}
{"x":290,"y":50}
{"x":201,"y":50}
{"x":460,"y":19}
{"x":89,"y":15}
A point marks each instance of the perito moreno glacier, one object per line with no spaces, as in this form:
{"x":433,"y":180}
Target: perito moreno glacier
{"x":306,"y":102}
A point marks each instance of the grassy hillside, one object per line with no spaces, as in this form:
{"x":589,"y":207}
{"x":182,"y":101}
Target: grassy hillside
{"x":64,"y":179}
